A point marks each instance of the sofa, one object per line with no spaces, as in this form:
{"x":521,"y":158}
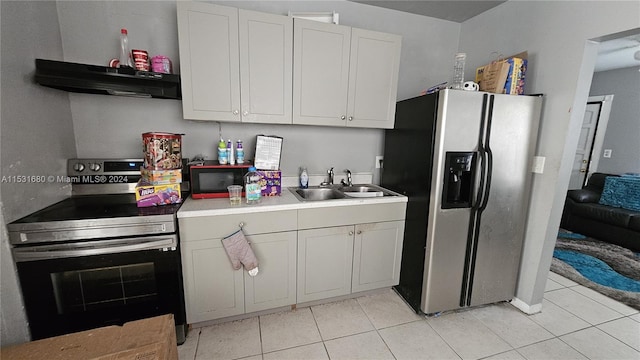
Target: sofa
{"x":586,"y":212}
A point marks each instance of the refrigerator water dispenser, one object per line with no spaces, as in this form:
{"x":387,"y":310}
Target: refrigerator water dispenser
{"x":459,"y":178}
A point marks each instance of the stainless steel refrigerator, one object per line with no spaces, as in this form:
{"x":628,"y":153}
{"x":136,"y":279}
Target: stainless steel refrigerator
{"x":464,"y":160}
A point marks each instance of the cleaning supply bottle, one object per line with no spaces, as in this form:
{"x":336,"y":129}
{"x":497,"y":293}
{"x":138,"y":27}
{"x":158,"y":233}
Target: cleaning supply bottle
{"x":304,"y":178}
{"x":222,"y":152}
{"x":252,"y":187}
{"x":125,"y":53}
{"x":230,"y":155}
{"x":239,"y":153}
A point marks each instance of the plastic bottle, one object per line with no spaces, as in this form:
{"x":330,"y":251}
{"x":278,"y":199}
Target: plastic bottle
{"x":252,"y":187}
{"x":230,"y":156}
{"x":222,"y":152}
{"x":458,"y":71}
{"x":304,"y":178}
{"x":239,"y":153}
{"x":125,"y":54}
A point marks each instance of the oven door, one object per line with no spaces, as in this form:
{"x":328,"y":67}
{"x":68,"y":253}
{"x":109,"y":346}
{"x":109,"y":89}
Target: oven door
{"x":79,"y":286}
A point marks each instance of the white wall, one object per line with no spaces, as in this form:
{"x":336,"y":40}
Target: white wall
{"x":90,"y":33}
{"x":623,"y":129}
{"x":561,"y":61}
{"x":36,"y":137}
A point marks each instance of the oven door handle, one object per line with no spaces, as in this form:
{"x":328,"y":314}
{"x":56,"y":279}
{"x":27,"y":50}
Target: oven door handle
{"x":60,"y":251}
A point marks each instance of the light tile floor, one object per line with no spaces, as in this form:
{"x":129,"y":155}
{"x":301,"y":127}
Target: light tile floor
{"x":575,"y":323}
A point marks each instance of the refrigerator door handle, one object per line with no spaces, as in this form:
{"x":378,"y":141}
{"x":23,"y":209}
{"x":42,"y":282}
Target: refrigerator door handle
{"x":485,"y":198}
{"x":472,"y":232}
{"x":489,"y":157}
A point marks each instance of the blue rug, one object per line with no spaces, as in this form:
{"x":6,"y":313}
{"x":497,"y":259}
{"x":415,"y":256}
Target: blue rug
{"x":606,"y":268}
{"x":597,"y":270}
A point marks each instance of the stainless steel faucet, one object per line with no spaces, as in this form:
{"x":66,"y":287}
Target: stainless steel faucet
{"x":330,"y":179}
{"x":349,"y":180}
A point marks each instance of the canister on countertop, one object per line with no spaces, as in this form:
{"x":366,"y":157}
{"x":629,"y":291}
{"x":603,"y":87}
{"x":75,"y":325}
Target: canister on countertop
{"x":162,"y":151}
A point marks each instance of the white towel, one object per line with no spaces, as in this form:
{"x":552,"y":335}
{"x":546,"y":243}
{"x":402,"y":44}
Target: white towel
{"x":240,"y":252}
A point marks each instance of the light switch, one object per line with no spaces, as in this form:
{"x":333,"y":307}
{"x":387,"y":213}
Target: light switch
{"x":538,"y":164}
{"x":607,"y":153}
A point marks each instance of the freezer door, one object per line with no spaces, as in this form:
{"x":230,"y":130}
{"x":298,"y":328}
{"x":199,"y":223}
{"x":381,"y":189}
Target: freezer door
{"x":457,"y":130}
{"x":514,"y":129}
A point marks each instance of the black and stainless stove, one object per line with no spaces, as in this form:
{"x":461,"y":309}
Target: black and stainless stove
{"x":95,"y":258}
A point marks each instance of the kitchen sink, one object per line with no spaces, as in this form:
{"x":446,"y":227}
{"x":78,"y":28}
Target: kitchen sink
{"x":362,"y":191}
{"x":320,"y":193}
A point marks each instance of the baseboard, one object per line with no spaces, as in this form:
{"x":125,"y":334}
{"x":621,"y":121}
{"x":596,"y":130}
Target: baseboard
{"x":526,"y":308}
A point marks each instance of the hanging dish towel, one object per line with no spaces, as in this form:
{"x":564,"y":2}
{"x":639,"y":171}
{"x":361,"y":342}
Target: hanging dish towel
{"x":240,"y":253}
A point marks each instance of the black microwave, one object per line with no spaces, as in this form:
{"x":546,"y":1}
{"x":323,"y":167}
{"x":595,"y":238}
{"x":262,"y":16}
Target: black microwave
{"x":210,"y":179}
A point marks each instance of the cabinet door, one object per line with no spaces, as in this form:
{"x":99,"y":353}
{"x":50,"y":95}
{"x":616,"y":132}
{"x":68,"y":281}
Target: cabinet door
{"x":209,"y":61}
{"x":324,"y":262}
{"x":320,"y":72}
{"x":377,"y":252}
{"x":373,"y":79}
{"x":212,"y":288}
{"x":275,"y":284}
{"x":266,"y":47}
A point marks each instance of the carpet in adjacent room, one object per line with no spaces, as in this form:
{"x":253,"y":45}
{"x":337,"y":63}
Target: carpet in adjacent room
{"x":606,"y":268}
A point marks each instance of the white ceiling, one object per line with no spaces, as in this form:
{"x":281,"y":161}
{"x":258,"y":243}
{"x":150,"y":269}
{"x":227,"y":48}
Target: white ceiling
{"x":613,"y":54}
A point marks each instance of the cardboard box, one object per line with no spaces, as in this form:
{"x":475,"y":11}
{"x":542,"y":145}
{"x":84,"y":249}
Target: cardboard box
{"x":270,"y":182}
{"x":161,"y":177}
{"x":503,"y":76}
{"x":147,"y":339}
{"x":156,"y":195}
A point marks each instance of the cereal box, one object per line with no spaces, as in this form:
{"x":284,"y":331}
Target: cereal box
{"x":515,"y":78}
{"x":155,"y":195}
{"x":161,"y":177}
{"x":270,"y":182}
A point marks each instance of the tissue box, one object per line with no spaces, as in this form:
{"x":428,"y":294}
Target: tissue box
{"x":155,"y":195}
{"x":270,"y":182}
{"x":161,"y":177}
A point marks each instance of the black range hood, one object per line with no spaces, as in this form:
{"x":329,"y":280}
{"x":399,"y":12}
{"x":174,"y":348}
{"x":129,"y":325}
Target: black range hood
{"x":95,"y":79}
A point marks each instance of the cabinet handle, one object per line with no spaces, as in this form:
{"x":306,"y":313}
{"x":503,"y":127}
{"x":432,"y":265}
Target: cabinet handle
{"x":235,"y":112}
{"x":359,"y":232}
{"x":245,"y":113}
{"x":342,"y":117}
{"x":350,"y":232}
{"x":350,"y":118}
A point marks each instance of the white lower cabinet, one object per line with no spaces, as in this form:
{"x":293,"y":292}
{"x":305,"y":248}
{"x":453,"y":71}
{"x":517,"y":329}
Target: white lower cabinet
{"x":346,"y":259}
{"x":377,"y":252}
{"x":275,"y":284}
{"x":304,"y":255}
{"x":212,"y":288}
{"x":325,"y":258}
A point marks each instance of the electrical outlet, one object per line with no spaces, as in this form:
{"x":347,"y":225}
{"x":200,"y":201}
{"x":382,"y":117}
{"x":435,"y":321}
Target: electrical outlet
{"x":607,"y":153}
{"x":379,"y":161}
{"x":538,"y":164}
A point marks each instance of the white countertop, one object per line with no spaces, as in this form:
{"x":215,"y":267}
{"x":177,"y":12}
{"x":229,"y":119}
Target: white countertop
{"x":286,"y":201}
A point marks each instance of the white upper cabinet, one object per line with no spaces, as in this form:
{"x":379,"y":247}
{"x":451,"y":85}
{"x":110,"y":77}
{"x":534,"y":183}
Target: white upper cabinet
{"x":266,"y":47}
{"x":246,"y":66}
{"x":373,"y":79}
{"x":209,"y":61}
{"x":235,"y":64}
{"x":344,"y":76}
{"x":320,"y":73}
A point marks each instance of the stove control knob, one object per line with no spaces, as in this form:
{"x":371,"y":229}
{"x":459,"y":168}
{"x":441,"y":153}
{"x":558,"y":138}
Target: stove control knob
{"x":79,"y":167}
{"x":94,"y":167}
